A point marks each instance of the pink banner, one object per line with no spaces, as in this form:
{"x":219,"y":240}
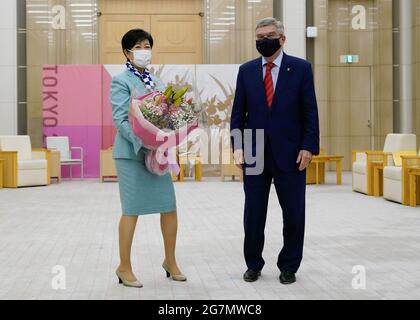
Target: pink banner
{"x":75,"y":104}
{"x":108,"y":129}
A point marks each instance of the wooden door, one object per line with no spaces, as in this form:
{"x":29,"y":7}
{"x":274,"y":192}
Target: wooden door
{"x":176,"y":27}
{"x":350,"y":111}
{"x":177,"y":39}
{"x":112,"y":29}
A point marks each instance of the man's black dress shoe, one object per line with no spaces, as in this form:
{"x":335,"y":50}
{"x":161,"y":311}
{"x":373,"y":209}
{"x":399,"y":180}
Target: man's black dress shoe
{"x":287,"y":278}
{"x":252,"y":275}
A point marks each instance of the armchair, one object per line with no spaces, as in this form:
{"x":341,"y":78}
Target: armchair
{"x":62,"y":144}
{"x":23,"y":166}
{"x":362,"y":161}
{"x":396,"y":180}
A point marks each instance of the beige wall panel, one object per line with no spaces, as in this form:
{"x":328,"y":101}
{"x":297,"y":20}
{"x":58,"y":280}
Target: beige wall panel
{"x":385,"y":112}
{"x":383,"y":82}
{"x":338,"y":44}
{"x":37,"y":47}
{"x":361,"y":43}
{"x":35,"y":110}
{"x":360,"y":142}
{"x":417,"y":44}
{"x":321,"y":13}
{"x":323,"y":117}
{"x":339,"y":84}
{"x":339,"y":119}
{"x":150,"y":6}
{"x":417,"y":81}
{"x":385,"y":41}
{"x":321,"y":54}
{"x":360,"y":115}
{"x":178,"y":39}
{"x":321,"y":82}
{"x":366,"y":87}
{"x":34,"y":84}
{"x":81,"y":50}
{"x":338,"y":15}
{"x":233,"y":41}
{"x":379,"y":142}
{"x":35,"y":129}
{"x":384,"y":13}
{"x":244,"y":46}
{"x":341,"y":146}
{"x":360,"y":83}
{"x":325,"y":144}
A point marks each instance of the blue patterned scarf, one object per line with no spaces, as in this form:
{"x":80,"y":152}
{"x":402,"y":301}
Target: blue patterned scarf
{"x":145,"y":77}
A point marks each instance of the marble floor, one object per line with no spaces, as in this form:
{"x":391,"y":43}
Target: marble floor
{"x":60,"y":242}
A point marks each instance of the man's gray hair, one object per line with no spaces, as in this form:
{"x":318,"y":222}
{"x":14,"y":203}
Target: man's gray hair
{"x":271,"y":22}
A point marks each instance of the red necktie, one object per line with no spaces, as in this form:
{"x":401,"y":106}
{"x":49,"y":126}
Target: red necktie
{"x":268,"y":82}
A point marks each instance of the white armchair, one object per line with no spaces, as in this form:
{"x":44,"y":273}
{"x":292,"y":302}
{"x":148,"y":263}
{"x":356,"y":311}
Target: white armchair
{"x":396,"y":179}
{"x":23,"y":165}
{"x":362,"y":160}
{"x":62,"y":144}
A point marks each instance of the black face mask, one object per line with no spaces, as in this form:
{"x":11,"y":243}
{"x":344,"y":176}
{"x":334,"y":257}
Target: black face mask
{"x":268,"y":47}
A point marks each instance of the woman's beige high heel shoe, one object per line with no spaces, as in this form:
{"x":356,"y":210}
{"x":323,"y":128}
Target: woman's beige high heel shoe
{"x":126,"y":283}
{"x":175,"y":277}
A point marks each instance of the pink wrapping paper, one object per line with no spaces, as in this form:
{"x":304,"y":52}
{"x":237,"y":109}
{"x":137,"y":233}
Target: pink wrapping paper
{"x":158,"y":160}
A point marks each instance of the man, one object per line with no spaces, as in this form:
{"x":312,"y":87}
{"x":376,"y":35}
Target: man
{"x":275,"y":93}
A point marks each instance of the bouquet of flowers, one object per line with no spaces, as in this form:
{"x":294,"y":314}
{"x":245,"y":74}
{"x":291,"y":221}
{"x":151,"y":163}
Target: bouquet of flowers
{"x":162,"y":120}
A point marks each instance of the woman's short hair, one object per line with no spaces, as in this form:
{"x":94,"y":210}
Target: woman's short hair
{"x":134,"y":36}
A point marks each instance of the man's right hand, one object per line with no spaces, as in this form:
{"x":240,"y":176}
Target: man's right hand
{"x":238,"y":158}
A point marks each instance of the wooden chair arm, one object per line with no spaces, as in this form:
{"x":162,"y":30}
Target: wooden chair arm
{"x":10,"y":168}
{"x":40,"y":154}
{"x":378,"y":156}
{"x":378,"y":153}
{"x":410,"y":157}
{"x":354,"y":155}
{"x":408,"y":162}
{"x":367,"y":152}
{"x":5,"y":153}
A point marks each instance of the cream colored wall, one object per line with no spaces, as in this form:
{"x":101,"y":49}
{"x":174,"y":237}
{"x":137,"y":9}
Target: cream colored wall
{"x":346,"y":94}
{"x":294,"y":18}
{"x":321,"y":63}
{"x":383,"y":73}
{"x":73,"y":45}
{"x":79,"y":44}
{"x":233,"y":41}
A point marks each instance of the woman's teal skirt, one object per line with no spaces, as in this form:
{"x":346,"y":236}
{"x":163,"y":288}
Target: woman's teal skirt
{"x":142,"y":192}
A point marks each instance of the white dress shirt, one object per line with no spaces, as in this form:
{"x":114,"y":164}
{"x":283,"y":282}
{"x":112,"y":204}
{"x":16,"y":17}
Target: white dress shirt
{"x":276,"y":68}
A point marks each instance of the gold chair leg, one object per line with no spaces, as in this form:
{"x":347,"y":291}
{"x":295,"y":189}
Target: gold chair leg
{"x":198,"y":172}
{"x":182,"y":173}
{"x":339,"y":173}
{"x":413,"y":191}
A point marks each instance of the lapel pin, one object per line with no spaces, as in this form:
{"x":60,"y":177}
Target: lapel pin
{"x":288,"y":69}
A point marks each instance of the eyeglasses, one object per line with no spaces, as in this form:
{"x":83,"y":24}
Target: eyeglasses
{"x":269,"y":38}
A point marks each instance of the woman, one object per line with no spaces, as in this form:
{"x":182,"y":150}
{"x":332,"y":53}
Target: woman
{"x":141,"y":192}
